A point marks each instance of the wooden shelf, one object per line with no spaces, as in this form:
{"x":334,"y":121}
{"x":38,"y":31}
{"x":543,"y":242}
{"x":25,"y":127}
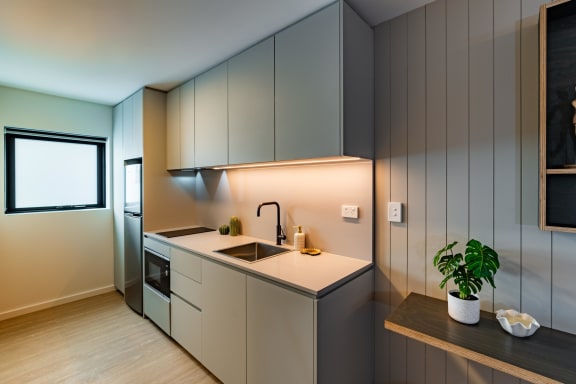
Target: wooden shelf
{"x":561,"y":171}
{"x":548,"y":356}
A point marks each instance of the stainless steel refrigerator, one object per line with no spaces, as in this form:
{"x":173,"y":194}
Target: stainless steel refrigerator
{"x":133,"y":234}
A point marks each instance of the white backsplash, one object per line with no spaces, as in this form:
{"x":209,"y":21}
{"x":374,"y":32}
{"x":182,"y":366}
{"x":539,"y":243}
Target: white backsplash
{"x":309,"y":195}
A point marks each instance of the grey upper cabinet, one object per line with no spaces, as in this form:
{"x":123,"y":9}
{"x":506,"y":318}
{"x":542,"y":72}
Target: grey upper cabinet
{"x":180,"y":127}
{"x":211,"y":117}
{"x":308,"y":87}
{"x":324,"y":82}
{"x":306,"y":92}
{"x":132,"y":123}
{"x":173,"y":129}
{"x":251,"y":104}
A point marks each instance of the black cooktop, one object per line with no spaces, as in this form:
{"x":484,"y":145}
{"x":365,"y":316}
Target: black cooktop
{"x":185,"y":231}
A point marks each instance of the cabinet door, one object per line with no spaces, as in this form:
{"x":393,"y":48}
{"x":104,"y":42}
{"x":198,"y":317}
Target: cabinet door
{"x":308,"y":98}
{"x":173,"y":129}
{"x":280,"y":335}
{"x":212,"y":117}
{"x":251,"y":104}
{"x":187,"y":125}
{"x":186,"y":324}
{"x":133,"y":125}
{"x":224,"y":322}
{"x":180,"y":127}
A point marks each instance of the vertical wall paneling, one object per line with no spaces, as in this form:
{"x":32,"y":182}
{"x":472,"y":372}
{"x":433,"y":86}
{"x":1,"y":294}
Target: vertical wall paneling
{"x":463,"y":151}
{"x":481,"y":128}
{"x":398,"y":190}
{"x":507,"y":154}
{"x":415,"y":213}
{"x":435,"y":140}
{"x":382,"y":192}
{"x":398,"y":146}
{"x":457,"y":120}
{"x":457,"y":191}
{"x":536,"y":245}
{"x":435,"y":164}
{"x":563,"y":272}
{"x":507,"y":159}
{"x":503,"y":378}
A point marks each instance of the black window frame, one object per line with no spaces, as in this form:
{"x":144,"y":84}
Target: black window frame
{"x":11,"y":134}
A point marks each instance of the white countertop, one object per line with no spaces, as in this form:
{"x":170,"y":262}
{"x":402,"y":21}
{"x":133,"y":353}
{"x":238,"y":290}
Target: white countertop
{"x":314,"y":275}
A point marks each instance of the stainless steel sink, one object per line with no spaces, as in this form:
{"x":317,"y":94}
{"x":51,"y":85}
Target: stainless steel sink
{"x":252,"y":252}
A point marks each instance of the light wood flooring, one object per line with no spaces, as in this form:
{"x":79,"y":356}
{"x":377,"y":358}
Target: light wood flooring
{"x":95,"y":340}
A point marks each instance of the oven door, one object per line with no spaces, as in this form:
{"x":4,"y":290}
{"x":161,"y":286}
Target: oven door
{"x":157,"y":272}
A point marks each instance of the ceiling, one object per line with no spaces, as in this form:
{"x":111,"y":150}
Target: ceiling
{"x":104,"y":50}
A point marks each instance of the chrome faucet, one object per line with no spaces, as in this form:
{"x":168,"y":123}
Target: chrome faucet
{"x":279,"y":234}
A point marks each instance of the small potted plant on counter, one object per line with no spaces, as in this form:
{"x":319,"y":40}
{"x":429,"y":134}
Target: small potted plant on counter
{"x":478,"y":264}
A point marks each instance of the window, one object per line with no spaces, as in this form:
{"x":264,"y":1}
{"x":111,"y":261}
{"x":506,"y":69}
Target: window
{"x":48,"y":171}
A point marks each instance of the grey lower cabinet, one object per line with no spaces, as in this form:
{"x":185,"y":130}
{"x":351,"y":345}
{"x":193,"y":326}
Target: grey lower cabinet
{"x":224,"y":322}
{"x":280,"y":334}
{"x":186,"y":300}
{"x":293,"y":338}
{"x":245,"y":329}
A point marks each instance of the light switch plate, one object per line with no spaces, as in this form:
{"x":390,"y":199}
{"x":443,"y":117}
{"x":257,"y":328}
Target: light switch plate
{"x":395,"y":212}
{"x":350,"y":211}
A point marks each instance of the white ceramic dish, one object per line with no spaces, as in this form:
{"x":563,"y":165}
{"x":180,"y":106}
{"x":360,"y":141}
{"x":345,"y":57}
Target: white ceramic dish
{"x":516,"y":323}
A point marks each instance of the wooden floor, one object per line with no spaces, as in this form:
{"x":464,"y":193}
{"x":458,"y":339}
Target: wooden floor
{"x":96,"y":340}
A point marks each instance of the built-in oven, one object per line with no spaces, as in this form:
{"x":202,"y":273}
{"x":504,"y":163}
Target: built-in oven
{"x":156,"y":276}
{"x":157,"y":272}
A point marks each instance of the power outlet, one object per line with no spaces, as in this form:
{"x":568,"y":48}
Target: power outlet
{"x":394,"y":212}
{"x":350,"y":211}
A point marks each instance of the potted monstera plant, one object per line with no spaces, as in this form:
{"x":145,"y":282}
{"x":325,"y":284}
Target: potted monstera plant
{"x":479,"y":264}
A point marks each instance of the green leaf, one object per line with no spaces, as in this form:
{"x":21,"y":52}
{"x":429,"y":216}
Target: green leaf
{"x":482,"y":261}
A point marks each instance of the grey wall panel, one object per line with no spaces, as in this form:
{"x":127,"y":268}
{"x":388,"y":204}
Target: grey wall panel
{"x":536,"y":245}
{"x":457,"y":369}
{"x":435,"y":365}
{"x":503,"y":378}
{"x":478,"y":373}
{"x":398,"y":173}
{"x":563,"y":272}
{"x":435,"y":182}
{"x":382,"y":306}
{"x":478,"y":110}
{"x":457,"y":131}
{"x":481,"y":145}
{"x":416,"y":364}
{"x":415,"y":213}
{"x":398,"y":149}
{"x":507,"y":154}
{"x":457,"y":143}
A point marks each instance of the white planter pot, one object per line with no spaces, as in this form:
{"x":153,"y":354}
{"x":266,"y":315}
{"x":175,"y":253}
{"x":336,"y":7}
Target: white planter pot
{"x":463,"y":311}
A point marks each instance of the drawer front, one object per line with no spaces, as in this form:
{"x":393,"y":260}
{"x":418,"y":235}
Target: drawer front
{"x":157,"y":246}
{"x":186,"y":288}
{"x":157,"y":308}
{"x":187,"y":326}
{"x":186,"y":264}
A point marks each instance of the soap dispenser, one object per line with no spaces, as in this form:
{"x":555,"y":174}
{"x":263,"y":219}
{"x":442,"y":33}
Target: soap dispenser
{"x":299,"y":239}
